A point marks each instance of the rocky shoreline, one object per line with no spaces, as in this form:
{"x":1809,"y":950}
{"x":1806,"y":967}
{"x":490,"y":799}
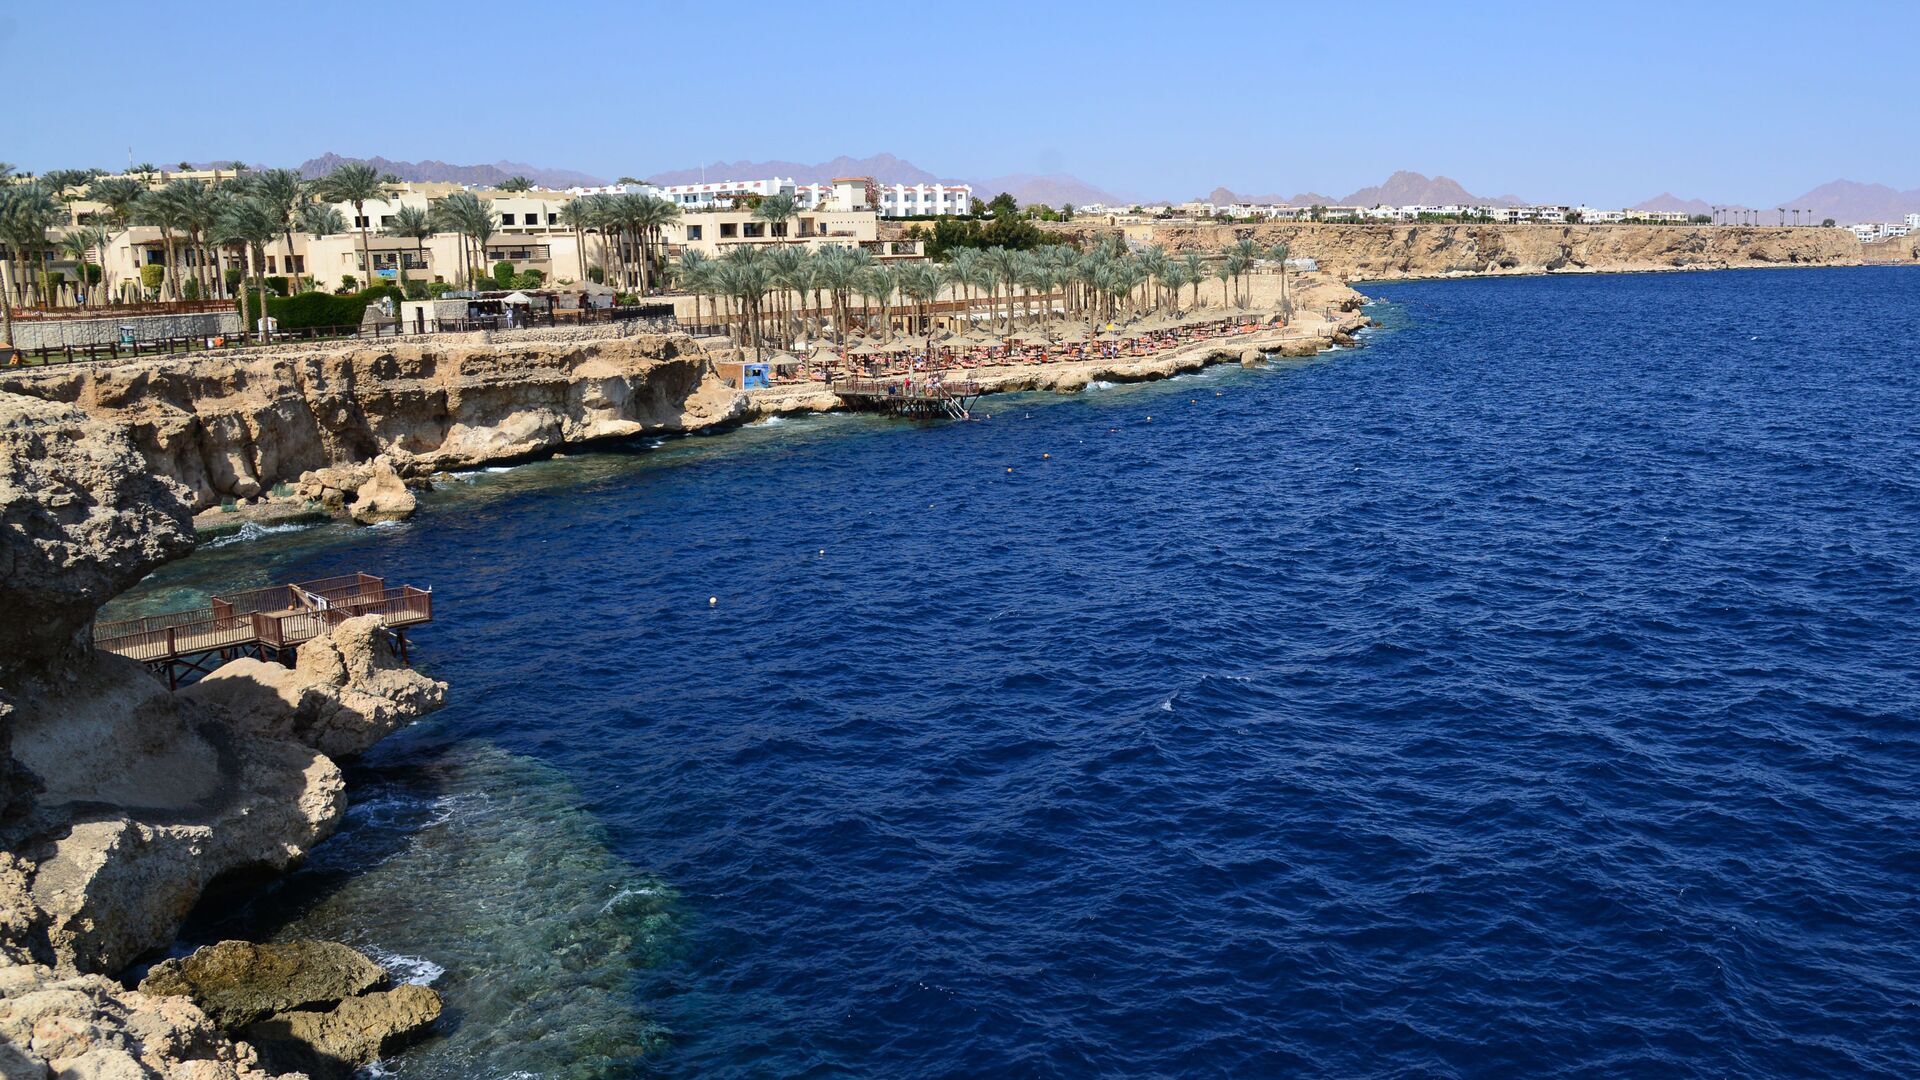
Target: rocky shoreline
{"x":121,"y":803}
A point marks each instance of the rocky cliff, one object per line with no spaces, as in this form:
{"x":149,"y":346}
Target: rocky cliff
{"x":1382,"y":252}
{"x":234,"y":426}
{"x":122,"y":803}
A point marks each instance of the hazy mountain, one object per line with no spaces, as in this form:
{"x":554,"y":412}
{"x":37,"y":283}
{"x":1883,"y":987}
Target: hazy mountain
{"x":1220,"y":196}
{"x":884,"y":168}
{"x":457,"y":174}
{"x":1668,"y":201}
{"x":1848,"y":202}
{"x":1412,"y":189}
{"x":1401,"y":189}
{"x":1053,"y":189}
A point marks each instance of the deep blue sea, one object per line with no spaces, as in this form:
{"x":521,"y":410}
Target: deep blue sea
{"x":1532,"y":692}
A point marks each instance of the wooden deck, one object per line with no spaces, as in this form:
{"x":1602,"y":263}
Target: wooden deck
{"x":920,"y":396}
{"x":265,"y":623}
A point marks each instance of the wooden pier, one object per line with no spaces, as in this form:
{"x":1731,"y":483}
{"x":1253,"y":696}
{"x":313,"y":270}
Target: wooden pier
{"x":267,"y":624}
{"x":920,"y":396}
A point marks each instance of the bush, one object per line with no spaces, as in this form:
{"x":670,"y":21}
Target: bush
{"x":90,"y":273}
{"x":416,"y":290}
{"x":348,"y":283}
{"x":234,"y":277}
{"x":278,"y":285}
{"x":311,"y":310}
{"x":153,"y":276}
{"x":596,"y":275}
{"x":190,"y":289}
{"x":503,"y":274}
{"x":438,"y":289}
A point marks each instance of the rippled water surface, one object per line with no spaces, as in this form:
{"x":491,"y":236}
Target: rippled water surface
{"x":1532,"y":692}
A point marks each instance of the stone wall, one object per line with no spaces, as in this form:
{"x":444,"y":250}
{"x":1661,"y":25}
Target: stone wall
{"x":32,"y":334}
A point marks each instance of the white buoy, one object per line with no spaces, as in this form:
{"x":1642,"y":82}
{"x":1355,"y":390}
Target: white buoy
{"x":713,"y":601}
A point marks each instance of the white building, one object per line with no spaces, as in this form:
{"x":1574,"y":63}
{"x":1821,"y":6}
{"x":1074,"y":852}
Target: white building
{"x":924,"y":200}
{"x":1913,"y":221}
{"x":703,"y":195}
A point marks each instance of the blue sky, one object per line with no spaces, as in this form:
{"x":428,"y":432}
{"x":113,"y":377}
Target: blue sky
{"x":1604,"y":103}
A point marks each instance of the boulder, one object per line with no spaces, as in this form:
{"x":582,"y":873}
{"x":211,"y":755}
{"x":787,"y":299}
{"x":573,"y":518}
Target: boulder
{"x":345,"y":692}
{"x":238,"y":982}
{"x":383,"y":497}
{"x":85,"y":1027}
{"x":333,"y":1043}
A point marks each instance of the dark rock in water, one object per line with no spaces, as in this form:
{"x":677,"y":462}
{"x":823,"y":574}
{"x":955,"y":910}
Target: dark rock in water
{"x":238,"y":982}
{"x":333,"y":1043}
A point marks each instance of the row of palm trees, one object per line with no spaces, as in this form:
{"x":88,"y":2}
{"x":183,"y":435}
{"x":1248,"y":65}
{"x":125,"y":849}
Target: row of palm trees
{"x":762,"y":293}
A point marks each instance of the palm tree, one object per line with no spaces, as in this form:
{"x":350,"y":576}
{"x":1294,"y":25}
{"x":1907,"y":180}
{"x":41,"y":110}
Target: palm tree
{"x":472,"y":217}
{"x":1196,"y":273}
{"x":515,"y":183}
{"x":921,"y":282}
{"x":283,"y":192}
{"x":253,"y":224}
{"x":1005,"y":265}
{"x":355,"y":183}
{"x":76,"y":246}
{"x":1225,"y":273}
{"x":160,"y":210}
{"x":776,"y":211}
{"x":1279,"y":253}
{"x":415,"y":224}
{"x":577,"y":215}
{"x":27,"y":211}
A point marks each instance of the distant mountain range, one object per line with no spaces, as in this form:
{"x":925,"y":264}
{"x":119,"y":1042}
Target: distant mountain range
{"x":1847,"y":202}
{"x":1403,"y":188}
{"x":441,"y":171}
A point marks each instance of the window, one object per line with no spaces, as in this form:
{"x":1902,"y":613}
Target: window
{"x":553,"y":218}
{"x":693,"y":232}
{"x":728,"y":229}
{"x":506,"y":219}
{"x":361,"y":222}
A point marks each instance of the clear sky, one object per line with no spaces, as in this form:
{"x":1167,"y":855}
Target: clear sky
{"x":1604,"y":103}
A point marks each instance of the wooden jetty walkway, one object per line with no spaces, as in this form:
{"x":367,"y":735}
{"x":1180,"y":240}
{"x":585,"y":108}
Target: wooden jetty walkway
{"x":916,"y":395}
{"x":267,"y":624}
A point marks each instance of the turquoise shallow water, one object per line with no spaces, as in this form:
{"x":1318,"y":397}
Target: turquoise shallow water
{"x":1529,"y":693}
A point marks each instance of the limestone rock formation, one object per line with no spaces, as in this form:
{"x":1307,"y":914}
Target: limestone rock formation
{"x":236,"y":425}
{"x":345,"y":692}
{"x":238,"y":982}
{"x":316,"y":1007}
{"x":80,"y":520}
{"x":333,"y":1042}
{"x":384,"y":497}
{"x":86,"y":1026}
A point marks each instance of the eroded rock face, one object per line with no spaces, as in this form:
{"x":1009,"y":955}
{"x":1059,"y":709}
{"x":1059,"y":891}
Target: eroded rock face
{"x":345,"y":692}
{"x":149,"y":796}
{"x":238,"y":982}
{"x":81,"y":519}
{"x":316,"y":1007}
{"x":87,"y":1026}
{"x":384,"y":497}
{"x":237,"y":425}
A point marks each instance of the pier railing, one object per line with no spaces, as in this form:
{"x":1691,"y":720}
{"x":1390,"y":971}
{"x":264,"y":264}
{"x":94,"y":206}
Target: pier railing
{"x":277,"y":617}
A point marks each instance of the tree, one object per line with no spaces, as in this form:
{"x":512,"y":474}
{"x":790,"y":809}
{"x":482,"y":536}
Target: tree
{"x":1003,"y":205}
{"x":253,"y":224}
{"x":27,"y":211}
{"x":515,"y":183}
{"x":776,"y":211}
{"x":76,"y":246}
{"x":577,"y":215}
{"x":412,"y":223}
{"x":283,"y":193}
{"x":358,"y":184}
{"x":1827,"y":224}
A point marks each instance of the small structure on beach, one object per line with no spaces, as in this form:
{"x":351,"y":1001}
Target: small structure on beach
{"x":920,"y":396}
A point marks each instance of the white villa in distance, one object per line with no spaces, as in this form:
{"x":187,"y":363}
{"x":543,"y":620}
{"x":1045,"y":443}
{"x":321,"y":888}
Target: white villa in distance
{"x":889,"y":200}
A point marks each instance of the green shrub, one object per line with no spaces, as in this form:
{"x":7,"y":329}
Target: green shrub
{"x":311,"y":310}
{"x":503,"y":274}
{"x":153,"y":275}
{"x":348,"y":283}
{"x":278,"y":285}
{"x":596,"y":275}
{"x":190,"y":289}
{"x":438,"y":289}
{"x":235,"y":276}
{"x":90,"y":273}
{"x":416,"y":290}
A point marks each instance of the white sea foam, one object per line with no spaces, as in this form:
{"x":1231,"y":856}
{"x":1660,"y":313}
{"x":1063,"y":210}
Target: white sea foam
{"x":253,"y":531}
{"x":499,"y":468}
{"x":406,"y":970}
{"x":1101,"y":384}
{"x":627,"y":891}
{"x":771,"y":421}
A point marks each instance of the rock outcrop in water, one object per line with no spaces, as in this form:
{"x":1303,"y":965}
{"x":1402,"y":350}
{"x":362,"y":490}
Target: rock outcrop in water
{"x":234,"y":426}
{"x":316,"y":1007}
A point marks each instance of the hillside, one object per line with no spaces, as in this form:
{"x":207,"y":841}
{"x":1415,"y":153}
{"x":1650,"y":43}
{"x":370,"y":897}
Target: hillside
{"x":441,"y":171}
{"x":1403,"y":188}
